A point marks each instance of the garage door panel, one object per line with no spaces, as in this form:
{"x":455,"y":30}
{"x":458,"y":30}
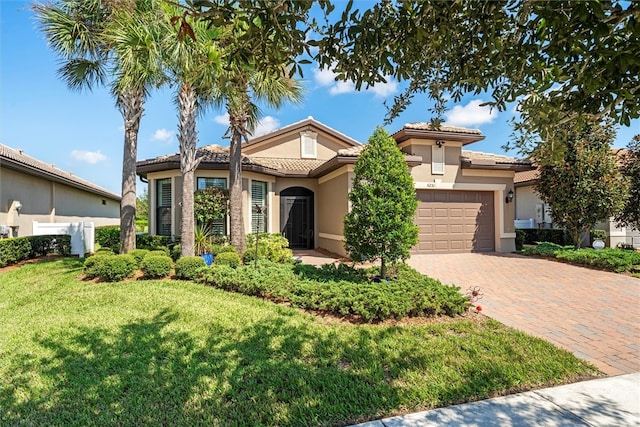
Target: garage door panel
{"x":455,"y":221}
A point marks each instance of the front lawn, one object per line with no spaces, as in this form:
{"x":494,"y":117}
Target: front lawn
{"x":154,"y":352}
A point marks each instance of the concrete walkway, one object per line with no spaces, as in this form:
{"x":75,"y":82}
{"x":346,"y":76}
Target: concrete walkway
{"x":594,"y":314}
{"x":613,"y":401}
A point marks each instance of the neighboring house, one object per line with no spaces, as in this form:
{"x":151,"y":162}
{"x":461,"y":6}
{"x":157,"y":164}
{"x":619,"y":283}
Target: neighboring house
{"x":31,"y":190}
{"x":532,"y":212}
{"x":303,"y":173}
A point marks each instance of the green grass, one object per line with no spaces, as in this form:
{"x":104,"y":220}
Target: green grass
{"x":146,"y":352}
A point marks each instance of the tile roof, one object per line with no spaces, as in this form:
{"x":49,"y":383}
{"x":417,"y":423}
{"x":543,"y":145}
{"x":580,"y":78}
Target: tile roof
{"x":351,"y":151}
{"x":526,"y":176}
{"x":288,"y":165}
{"x":496,"y":158}
{"x":26,"y":162}
{"x":443,"y":128}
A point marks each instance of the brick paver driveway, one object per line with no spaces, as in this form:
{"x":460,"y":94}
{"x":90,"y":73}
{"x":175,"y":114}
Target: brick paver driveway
{"x":593,"y":314}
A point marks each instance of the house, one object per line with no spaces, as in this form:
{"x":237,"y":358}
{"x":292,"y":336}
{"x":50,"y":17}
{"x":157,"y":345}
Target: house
{"x":532,"y":212}
{"x":302,"y":174}
{"x":32,"y":190}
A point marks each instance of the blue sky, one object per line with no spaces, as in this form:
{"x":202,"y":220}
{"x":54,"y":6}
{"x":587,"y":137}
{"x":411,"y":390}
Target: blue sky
{"x":81,"y":132}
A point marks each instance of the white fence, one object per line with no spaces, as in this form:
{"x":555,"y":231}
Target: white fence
{"x":82,"y":234}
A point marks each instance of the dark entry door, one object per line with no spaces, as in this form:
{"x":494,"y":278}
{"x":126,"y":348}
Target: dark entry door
{"x":296,"y":212}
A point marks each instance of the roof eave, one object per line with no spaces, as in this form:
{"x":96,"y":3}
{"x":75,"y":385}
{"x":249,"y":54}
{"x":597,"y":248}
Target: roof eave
{"x":466,"y":138}
{"x":517,"y":167}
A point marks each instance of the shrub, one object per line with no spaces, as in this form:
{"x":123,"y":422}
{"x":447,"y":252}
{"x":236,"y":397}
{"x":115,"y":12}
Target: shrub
{"x":113,"y":268}
{"x":187,"y":267}
{"x":608,"y":259}
{"x":157,"y":252}
{"x":535,"y":235}
{"x":139,"y":255}
{"x":546,"y":249}
{"x":93,"y":265}
{"x":411,"y":294}
{"x":231,"y":259}
{"x":226,"y":249}
{"x":14,"y":250}
{"x":520,"y":238}
{"x":108,"y":236}
{"x":176,"y":252}
{"x":151,"y":242}
{"x":54,"y":243}
{"x":104,"y":251}
{"x":274,"y":247}
{"x":156,"y":266}
{"x":598,"y":235}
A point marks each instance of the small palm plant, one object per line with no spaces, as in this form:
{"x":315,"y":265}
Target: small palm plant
{"x":202,"y":239}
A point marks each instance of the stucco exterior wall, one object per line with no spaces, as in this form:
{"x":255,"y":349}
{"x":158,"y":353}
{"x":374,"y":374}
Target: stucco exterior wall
{"x":332,"y":205}
{"x":48,"y":201}
{"x":452,"y":151}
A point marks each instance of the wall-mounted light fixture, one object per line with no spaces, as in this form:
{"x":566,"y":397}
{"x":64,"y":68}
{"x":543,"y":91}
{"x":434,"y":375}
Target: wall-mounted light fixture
{"x":440,"y":143}
{"x":509,"y":197}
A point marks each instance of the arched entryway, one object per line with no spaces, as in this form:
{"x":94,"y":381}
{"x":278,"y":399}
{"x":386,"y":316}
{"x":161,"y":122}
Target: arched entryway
{"x":296,"y":217}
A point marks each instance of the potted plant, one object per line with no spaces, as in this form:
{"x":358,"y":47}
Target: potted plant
{"x":202,"y":243}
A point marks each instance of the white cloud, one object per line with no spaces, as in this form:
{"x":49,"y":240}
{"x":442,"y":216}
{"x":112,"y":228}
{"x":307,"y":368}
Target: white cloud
{"x":163,"y":135}
{"x":382,"y":90}
{"x":222,"y":119}
{"x":327,"y":78}
{"x":342,"y":87}
{"x":324,"y":77}
{"x":91,"y":157}
{"x":471,"y":114}
{"x":266,"y":125}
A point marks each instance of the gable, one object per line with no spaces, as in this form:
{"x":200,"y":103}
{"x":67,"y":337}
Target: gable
{"x":307,"y":139}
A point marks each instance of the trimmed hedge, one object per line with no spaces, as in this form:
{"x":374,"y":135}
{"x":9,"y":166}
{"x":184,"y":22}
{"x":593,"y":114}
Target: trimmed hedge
{"x":139,"y":255}
{"x":109,"y":237}
{"x":14,"y":250}
{"x":156,"y":266}
{"x":110,"y":268}
{"x":187,"y":267}
{"x":534,"y":235}
{"x":351,"y":293}
{"x":18,"y":249}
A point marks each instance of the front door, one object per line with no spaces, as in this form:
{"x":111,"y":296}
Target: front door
{"x":297,"y":219}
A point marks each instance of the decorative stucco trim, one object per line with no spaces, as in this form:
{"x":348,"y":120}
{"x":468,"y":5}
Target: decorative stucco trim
{"x":336,"y":173}
{"x":331,"y":236}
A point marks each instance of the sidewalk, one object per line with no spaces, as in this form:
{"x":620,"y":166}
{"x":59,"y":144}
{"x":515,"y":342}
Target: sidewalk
{"x":613,"y":401}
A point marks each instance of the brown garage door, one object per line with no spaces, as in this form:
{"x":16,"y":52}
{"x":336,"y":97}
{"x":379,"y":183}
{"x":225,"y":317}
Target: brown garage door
{"x":455,"y":221}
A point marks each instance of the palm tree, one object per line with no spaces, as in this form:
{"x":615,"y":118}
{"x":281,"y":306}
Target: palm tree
{"x":193,"y":64}
{"x":101,"y":41}
{"x":240,"y":87}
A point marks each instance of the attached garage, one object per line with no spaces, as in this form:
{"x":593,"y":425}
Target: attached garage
{"x":452,"y":221}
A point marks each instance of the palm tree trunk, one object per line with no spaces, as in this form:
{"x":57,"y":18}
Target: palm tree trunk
{"x":130,"y":105}
{"x":237,"y":124}
{"x":187,"y":104}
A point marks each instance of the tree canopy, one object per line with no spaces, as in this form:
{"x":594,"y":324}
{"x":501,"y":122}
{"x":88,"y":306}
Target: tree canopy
{"x":630,"y":169}
{"x":553,"y":58}
{"x":584,"y":188}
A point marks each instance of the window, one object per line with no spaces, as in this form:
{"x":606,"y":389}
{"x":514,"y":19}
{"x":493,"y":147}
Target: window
{"x":219,"y":226}
{"x":437,"y":160}
{"x":163,"y":207}
{"x":308,"y":144}
{"x":258,"y":201}
{"x":211,"y":182}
